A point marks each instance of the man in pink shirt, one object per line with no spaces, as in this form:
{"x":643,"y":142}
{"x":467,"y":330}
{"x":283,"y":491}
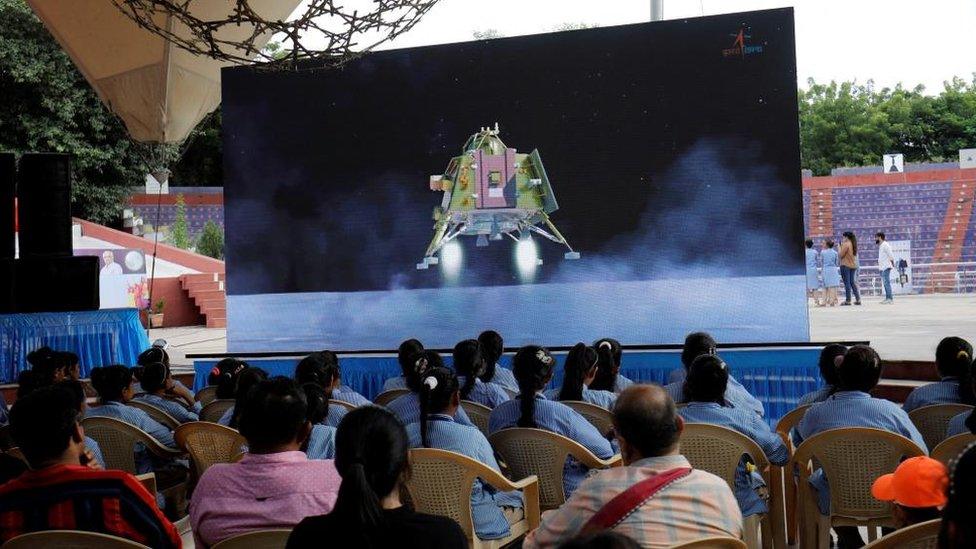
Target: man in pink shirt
{"x":274,"y":485}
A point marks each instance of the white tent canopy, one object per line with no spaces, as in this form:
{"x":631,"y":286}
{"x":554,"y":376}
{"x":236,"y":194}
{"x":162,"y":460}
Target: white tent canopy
{"x":160,"y":91}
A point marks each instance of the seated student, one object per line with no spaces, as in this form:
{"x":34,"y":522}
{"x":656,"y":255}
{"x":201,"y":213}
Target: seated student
{"x":322,"y":368}
{"x":705,"y":386}
{"x":958,"y":527}
{"x":965,"y":422}
{"x":439,"y":399}
{"x":917,"y":489}
{"x":579,"y":371}
{"x":830,"y":358}
{"x":608,"y":376}
{"x":274,"y":485}
{"x":852,"y":406}
{"x":224,"y":377}
{"x":320,"y":443}
{"x":92,"y":453}
{"x":114,"y":387}
{"x":407,"y":407}
{"x":154,"y":354}
{"x":407,"y":350}
{"x":371,"y":457}
{"x":470,"y":364}
{"x":533,"y":367}
{"x":249,"y":377}
{"x":953,"y":356}
{"x":162,"y":392}
{"x":61,"y":492}
{"x":694,"y":504}
{"x":493,"y":346}
{"x":736,"y":396}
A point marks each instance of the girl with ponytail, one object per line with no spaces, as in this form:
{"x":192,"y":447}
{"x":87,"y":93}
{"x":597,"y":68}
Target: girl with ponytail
{"x":736,"y":396}
{"x":371,"y":458}
{"x":608,"y":376}
{"x":406,"y":351}
{"x":407,"y":407}
{"x":580,"y":370}
{"x":953,"y":357}
{"x":322,"y":369}
{"x":493,"y":347}
{"x":533,"y":367}
{"x":439,"y":399}
{"x":163,"y":392}
{"x":831,"y":356}
{"x":321,"y":440}
{"x":224,"y":376}
{"x":470,"y":364}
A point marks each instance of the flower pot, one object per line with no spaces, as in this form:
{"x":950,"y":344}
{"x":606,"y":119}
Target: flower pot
{"x":156,"y":320}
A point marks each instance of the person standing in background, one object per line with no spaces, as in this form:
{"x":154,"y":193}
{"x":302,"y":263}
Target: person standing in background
{"x":813,"y":281}
{"x":831,"y":272}
{"x":886,"y":262}
{"x":848,"y":268}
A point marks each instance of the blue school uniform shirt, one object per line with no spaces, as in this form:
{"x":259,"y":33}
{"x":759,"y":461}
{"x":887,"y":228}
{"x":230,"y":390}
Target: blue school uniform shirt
{"x":347,"y":394}
{"x":171,"y":407}
{"x":486,"y":502}
{"x":225,"y":419}
{"x":752,"y":426}
{"x":603,"y":399}
{"x":940,"y":392}
{"x":486,"y":394}
{"x":96,"y":450}
{"x":677,"y":375}
{"x":321,"y":442}
{"x":392,"y":383}
{"x":852,"y":409}
{"x":505,"y":378}
{"x":819,"y":395}
{"x":957,"y":425}
{"x":621,"y":383}
{"x":336,"y":413}
{"x":560,"y":419}
{"x":407,"y":408}
{"x":736,"y":396}
{"x":140,"y":419}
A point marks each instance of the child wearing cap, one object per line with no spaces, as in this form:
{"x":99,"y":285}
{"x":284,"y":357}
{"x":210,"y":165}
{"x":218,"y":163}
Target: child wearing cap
{"x":917,"y":488}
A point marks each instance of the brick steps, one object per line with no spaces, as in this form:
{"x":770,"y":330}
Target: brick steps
{"x":821,"y":221}
{"x":208,"y":294}
{"x":952,"y":236}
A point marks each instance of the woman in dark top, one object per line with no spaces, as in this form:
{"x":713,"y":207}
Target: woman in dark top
{"x":371,"y":457}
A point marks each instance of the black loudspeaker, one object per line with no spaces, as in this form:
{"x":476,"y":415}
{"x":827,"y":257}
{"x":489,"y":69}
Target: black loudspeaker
{"x":54,"y":284}
{"x":44,"y":205}
{"x":8,"y":304}
{"x":8,"y":179}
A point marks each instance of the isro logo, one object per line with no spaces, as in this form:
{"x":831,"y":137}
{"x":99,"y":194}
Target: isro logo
{"x":739,"y":47}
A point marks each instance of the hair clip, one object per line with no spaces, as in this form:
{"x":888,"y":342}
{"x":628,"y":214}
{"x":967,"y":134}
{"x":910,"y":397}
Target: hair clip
{"x":838,"y":360}
{"x":544,"y":357}
{"x":430,"y":382}
{"x":721,"y":365}
{"x":606,"y":345}
{"x":215,"y":371}
{"x":962,"y":355}
{"x":421,"y":364}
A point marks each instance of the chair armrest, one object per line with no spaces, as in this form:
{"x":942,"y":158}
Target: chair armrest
{"x":593,"y":462}
{"x":148,"y":481}
{"x":161,"y":450}
{"x":529,"y":486}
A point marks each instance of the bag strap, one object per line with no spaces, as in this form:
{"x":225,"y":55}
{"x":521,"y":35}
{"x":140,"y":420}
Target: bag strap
{"x":628,"y":501}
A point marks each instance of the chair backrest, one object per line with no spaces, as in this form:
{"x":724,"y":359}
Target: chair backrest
{"x":717,"y":542}
{"x":387,"y":397}
{"x":932,"y":420}
{"x":6,"y":439}
{"x":17,"y":453}
{"x":216,"y":409}
{"x":852,"y":459}
{"x":543,"y":453}
{"x":924,"y":535}
{"x":70,"y":539}
{"x":209,"y":443}
{"x":789,"y":421}
{"x":117,"y":440}
{"x":259,"y":539}
{"x":342,"y":404}
{"x":478,"y":413}
{"x":207,"y":395}
{"x":157,"y":413}
{"x":601,"y":418}
{"x":440,"y":484}
{"x":950,"y":448}
{"x":718,"y":450}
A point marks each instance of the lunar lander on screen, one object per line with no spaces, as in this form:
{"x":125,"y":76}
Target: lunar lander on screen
{"x":492,"y":192}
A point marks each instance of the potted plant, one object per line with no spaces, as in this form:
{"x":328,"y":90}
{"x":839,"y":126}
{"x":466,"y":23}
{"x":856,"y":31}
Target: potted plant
{"x":156,"y":314}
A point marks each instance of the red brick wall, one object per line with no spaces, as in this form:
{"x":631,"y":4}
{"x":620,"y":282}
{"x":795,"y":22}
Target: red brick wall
{"x":180,"y":309}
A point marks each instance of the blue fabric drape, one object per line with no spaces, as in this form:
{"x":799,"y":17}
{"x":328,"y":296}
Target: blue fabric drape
{"x":99,"y":338}
{"x":777,"y":376}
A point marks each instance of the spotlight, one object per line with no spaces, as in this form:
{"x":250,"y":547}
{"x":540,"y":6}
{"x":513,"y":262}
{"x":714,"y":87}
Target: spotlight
{"x":451,"y":258}
{"x":526,"y":258}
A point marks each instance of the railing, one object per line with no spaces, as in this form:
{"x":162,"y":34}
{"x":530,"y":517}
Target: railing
{"x":950,"y":277}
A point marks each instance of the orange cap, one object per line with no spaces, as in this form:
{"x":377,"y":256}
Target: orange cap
{"x":918,"y":482}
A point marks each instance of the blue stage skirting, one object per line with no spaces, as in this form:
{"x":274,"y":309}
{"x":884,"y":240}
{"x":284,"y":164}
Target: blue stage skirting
{"x":99,"y":338}
{"x":776,"y":376}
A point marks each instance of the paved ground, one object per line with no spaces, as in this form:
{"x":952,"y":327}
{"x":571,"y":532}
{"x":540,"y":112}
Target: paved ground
{"x":907,"y":330}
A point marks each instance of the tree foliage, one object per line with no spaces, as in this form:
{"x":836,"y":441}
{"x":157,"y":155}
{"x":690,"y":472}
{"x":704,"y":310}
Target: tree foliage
{"x":211,"y":241}
{"x":850,"y":124}
{"x":179,"y":234}
{"x":48,"y":106}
